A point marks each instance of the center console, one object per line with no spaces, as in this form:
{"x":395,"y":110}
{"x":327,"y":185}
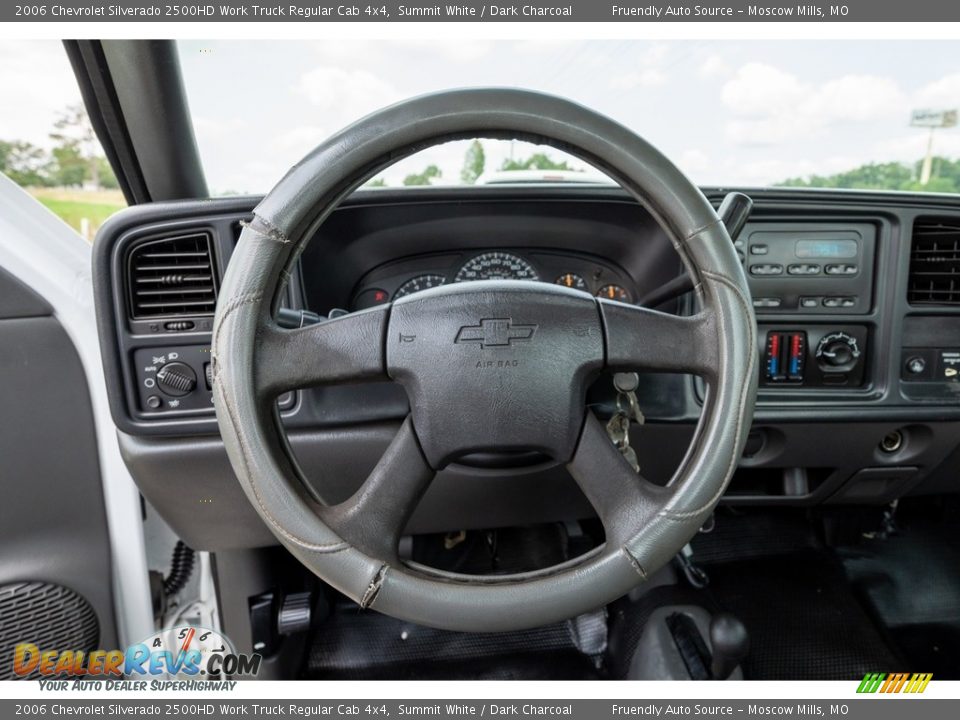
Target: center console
{"x":816,"y":277}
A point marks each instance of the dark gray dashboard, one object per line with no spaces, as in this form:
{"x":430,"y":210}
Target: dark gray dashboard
{"x":842,"y":333}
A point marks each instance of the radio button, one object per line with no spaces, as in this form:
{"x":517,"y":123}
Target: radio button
{"x":759,"y":249}
{"x":767,"y":302}
{"x":809,"y":302}
{"x":841,"y":269}
{"x":839,"y":302}
{"x":804,"y":269}
{"x":766,"y":269}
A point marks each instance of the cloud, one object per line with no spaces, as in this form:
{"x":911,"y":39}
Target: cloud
{"x":298,"y":140}
{"x":913,"y":146}
{"x":714,"y":66}
{"x":38,"y":85}
{"x":772,"y":106}
{"x":648,"y":77}
{"x":777,"y":169}
{"x":649,"y":69}
{"x":940,"y":94}
{"x":854,"y":98}
{"x":694,"y":162}
{"x":345,"y":94}
{"x":760,"y":89}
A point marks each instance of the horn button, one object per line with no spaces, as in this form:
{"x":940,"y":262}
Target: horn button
{"x":495,"y":366}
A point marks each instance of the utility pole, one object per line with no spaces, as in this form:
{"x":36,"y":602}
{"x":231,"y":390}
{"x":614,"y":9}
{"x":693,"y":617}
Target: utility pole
{"x":931,"y":119}
{"x":927,"y":159}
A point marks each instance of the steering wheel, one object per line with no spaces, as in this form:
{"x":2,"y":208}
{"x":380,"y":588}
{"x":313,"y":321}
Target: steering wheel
{"x":487,"y":366}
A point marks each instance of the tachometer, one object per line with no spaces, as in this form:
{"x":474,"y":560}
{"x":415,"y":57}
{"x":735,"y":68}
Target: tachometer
{"x":421,"y":282}
{"x":496,"y":266}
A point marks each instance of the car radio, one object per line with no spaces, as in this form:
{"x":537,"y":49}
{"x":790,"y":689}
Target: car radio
{"x":811,"y":270}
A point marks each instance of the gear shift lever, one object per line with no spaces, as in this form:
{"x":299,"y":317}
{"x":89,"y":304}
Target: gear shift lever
{"x":730,"y":643}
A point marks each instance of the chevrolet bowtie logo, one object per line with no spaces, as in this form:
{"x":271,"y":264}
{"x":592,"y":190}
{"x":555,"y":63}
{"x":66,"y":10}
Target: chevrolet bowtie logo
{"x":495,"y":332}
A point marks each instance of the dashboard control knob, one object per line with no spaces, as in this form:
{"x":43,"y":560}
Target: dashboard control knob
{"x":916,"y":365}
{"x":837,"y":350}
{"x":176,"y":379}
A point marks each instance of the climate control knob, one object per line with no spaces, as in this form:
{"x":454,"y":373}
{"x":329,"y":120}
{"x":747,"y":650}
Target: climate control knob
{"x":837,"y":351}
{"x":176,"y":379}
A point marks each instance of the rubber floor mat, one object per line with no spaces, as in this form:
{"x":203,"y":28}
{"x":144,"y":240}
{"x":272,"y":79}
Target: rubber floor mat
{"x":358,"y":645}
{"x":740,"y":534}
{"x":911,"y":581}
{"x":803,"y":618}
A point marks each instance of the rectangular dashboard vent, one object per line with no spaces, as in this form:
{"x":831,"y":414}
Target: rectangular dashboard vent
{"x":172,"y":277}
{"x":935,"y":263}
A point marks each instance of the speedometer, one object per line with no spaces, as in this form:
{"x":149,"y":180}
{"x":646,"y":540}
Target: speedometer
{"x":496,"y":266}
{"x":420,"y":282}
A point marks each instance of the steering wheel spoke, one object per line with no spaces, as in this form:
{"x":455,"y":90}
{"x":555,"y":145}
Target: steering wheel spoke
{"x":346,"y":349}
{"x":374,"y":517}
{"x":642,"y":339}
{"x":624,"y":500}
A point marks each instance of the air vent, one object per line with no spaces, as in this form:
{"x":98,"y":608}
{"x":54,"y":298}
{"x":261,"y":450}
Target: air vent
{"x":935,"y":263}
{"x":172,"y":277}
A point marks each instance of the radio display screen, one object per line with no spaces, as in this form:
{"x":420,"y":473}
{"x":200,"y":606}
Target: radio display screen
{"x":826,"y":248}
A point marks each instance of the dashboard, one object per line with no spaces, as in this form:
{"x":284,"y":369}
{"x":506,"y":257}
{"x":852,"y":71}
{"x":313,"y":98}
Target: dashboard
{"x":855,"y":294}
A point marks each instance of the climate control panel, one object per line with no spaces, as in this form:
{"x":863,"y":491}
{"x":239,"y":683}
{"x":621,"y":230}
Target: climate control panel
{"x":813,"y":356}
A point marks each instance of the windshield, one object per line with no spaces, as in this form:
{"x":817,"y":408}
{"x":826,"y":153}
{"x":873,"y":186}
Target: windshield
{"x":822,"y":113}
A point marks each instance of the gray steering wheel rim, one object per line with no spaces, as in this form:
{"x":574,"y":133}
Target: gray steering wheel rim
{"x":286,"y":219}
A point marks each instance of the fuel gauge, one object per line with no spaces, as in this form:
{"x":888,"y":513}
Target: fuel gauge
{"x":572,"y":280}
{"x":614,"y":292}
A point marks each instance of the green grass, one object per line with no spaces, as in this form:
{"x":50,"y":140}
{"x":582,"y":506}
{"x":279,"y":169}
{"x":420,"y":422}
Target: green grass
{"x":72,"y":208}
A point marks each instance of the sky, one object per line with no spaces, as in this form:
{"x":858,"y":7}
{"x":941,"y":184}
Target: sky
{"x":727,"y":112}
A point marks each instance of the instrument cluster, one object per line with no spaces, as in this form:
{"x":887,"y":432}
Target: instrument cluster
{"x":579,"y":272}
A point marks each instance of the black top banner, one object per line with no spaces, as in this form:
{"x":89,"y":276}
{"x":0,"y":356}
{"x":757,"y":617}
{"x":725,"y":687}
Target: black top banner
{"x":898,"y":11}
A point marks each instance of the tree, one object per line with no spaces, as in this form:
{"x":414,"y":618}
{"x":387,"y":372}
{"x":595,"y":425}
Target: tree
{"x":887,"y":176}
{"x":108,"y":179}
{"x":24,"y":163}
{"x":473,"y":163}
{"x":75,"y":152}
{"x":74,"y":160}
{"x":425,"y":178}
{"x":537,"y":161}
{"x":70,"y":168}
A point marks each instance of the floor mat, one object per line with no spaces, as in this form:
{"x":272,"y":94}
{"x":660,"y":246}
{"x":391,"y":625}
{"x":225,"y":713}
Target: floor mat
{"x":739,"y":534}
{"x":357,"y":645}
{"x":813,"y":613}
{"x":911,"y":581}
{"x":803,"y":618}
